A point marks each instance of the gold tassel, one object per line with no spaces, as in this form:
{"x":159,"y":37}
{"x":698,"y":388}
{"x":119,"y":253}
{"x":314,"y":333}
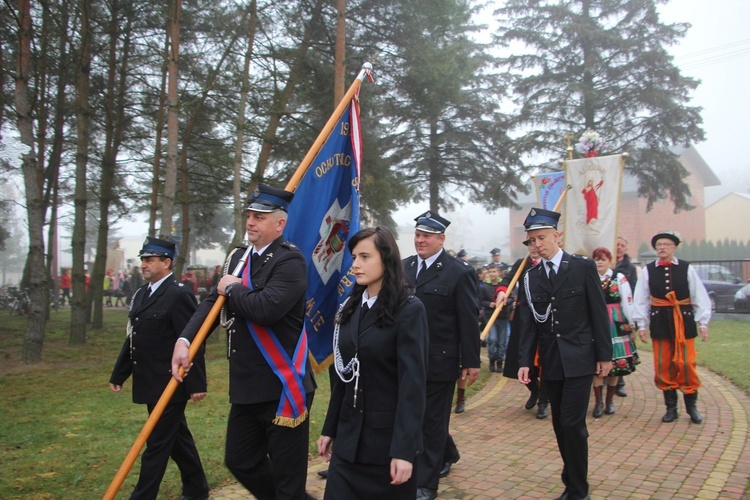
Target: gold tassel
{"x":289,"y":421}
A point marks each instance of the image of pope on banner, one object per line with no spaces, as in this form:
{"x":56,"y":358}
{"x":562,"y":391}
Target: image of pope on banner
{"x":592,"y":206}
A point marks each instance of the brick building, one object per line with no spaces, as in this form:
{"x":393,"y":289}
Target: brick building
{"x":635,"y":223}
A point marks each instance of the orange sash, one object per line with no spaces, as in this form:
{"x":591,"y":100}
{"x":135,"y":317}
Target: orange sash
{"x":679,"y":326}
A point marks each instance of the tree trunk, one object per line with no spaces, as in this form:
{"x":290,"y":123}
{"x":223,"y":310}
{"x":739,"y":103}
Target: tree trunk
{"x":37,"y":276}
{"x":115,"y":122}
{"x":173,"y":109}
{"x":78,"y":307}
{"x":186,"y":140}
{"x":339,"y":63}
{"x":278,"y":109}
{"x":155,"y":183}
{"x":433,"y":162}
{"x":239,"y":219}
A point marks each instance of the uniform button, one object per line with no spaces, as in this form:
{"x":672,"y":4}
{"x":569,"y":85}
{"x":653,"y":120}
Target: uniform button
{"x":136,"y":318}
{"x":557,"y":322}
{"x":134,"y":348}
{"x":667,"y":281}
{"x":553,"y":298}
{"x":554,"y":310}
{"x":558,"y":334}
{"x":234,"y":350}
{"x":135,"y":362}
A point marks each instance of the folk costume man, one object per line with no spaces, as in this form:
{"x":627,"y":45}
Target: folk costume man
{"x":448,"y":289}
{"x":564,"y":319}
{"x":160,"y":310}
{"x":271,"y":386}
{"x":671,"y":299}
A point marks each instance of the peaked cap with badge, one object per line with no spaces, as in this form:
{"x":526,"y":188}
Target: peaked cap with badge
{"x":267,"y":199}
{"x":539,"y":218}
{"x":155,"y":247}
{"x":431,"y":222}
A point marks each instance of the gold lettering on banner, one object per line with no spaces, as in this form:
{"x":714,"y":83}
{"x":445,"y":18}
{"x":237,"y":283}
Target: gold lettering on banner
{"x":336,"y":160}
{"x":317,"y":320}
{"x":309,"y":306}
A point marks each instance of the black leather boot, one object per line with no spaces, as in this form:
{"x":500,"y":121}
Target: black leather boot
{"x":460,"y":401}
{"x":692,"y":410}
{"x":609,"y":405}
{"x":598,"y":404}
{"x":533,"y":387}
{"x":670,"y":399}
{"x":492,"y":365}
{"x":542,"y":410}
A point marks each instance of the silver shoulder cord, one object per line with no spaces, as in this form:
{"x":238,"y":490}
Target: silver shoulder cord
{"x":352,"y":367}
{"x":539,"y":318}
{"x":223,"y":319}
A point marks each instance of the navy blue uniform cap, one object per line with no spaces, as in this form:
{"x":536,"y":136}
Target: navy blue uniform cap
{"x":430,"y":222}
{"x":269,"y":199}
{"x":540,"y":218}
{"x":155,"y":247}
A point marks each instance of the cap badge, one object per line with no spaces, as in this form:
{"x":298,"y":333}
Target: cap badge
{"x":533,"y":212}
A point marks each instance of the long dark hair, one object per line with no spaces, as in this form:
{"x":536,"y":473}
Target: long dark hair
{"x":395,"y":288}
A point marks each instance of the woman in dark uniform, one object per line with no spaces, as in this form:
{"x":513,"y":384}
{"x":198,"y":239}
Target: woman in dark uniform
{"x":379,"y":383}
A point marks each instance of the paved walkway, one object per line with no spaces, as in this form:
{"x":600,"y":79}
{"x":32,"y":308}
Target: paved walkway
{"x":507,"y":453}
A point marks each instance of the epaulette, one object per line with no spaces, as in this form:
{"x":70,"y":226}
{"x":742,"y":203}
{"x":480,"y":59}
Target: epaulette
{"x":579,"y":256}
{"x":289,"y":244}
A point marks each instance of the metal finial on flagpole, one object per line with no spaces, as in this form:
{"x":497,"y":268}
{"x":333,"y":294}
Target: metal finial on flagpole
{"x":569,"y":149}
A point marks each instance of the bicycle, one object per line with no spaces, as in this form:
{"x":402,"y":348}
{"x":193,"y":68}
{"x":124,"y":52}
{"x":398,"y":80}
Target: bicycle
{"x":21,"y":303}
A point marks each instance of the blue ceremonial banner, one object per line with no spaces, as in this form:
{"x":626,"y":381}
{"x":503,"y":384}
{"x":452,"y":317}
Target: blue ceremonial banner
{"x":549,"y":188}
{"x":323,"y":215}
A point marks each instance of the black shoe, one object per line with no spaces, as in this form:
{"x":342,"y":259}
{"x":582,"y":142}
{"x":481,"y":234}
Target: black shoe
{"x":531,"y":402}
{"x":426,"y":494}
{"x":620,"y":391}
{"x":199,"y":497}
{"x":492,"y":366}
{"x":445,"y":470}
{"x":542,"y":411}
{"x":323,"y":473}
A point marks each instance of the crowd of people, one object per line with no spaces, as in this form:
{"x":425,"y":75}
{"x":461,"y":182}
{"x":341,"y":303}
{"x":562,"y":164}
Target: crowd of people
{"x":406,"y":340}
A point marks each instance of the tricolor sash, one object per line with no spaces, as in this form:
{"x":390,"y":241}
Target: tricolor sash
{"x":292,"y":409}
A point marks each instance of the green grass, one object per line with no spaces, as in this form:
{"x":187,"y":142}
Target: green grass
{"x":64,"y":434}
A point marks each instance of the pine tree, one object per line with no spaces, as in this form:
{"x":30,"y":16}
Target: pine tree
{"x":603,"y":65}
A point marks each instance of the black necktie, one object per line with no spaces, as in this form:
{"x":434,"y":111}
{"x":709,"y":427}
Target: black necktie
{"x":552,"y":274}
{"x":423,"y":267}
{"x":363,"y":310}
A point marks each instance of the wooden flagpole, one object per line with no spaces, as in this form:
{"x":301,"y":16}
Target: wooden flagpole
{"x":516,"y":277}
{"x":204,"y":330}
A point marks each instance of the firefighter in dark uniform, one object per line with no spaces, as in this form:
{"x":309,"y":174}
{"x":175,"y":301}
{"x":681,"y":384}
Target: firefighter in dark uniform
{"x":448,"y":289}
{"x":159,"y":311}
{"x":565,"y":319}
{"x":271,"y":386}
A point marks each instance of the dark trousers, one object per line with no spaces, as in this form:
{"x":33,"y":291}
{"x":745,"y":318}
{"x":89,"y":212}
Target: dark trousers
{"x":269,"y":460}
{"x":451,"y":451}
{"x":569,"y":400}
{"x":170,"y":438}
{"x":437,"y":416}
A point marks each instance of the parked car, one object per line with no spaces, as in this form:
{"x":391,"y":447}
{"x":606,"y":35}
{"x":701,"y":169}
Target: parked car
{"x":742,"y":299}
{"x":720,"y":284}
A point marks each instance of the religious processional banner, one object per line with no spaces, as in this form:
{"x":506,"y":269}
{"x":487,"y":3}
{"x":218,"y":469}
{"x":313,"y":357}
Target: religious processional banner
{"x":549,"y":188}
{"x":592,"y":205}
{"x":322,"y":216}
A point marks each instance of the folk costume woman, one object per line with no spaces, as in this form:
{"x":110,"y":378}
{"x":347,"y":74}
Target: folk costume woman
{"x":619,"y":299}
{"x":373,"y":428}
